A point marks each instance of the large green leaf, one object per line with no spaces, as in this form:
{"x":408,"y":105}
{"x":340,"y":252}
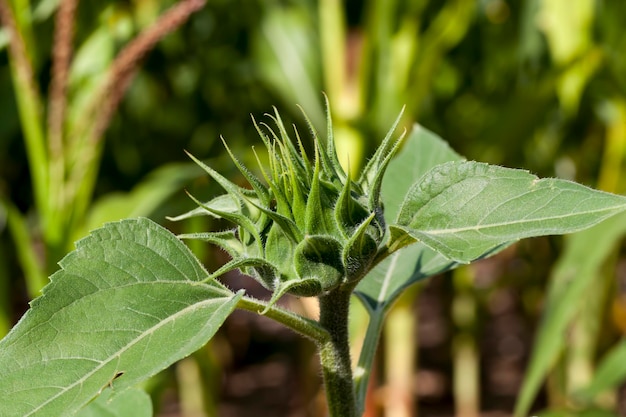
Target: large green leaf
{"x":422,"y":151}
{"x":465,"y":210}
{"x":128,"y":302}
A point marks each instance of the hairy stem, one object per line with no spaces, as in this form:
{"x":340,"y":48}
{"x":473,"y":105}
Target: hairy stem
{"x":306,"y":327}
{"x":335,"y":353}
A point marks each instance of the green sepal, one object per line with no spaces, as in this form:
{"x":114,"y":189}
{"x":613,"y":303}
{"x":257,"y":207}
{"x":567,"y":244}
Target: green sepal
{"x":331,"y":170}
{"x":371,"y":169}
{"x":348,"y":212}
{"x":224,"y":202}
{"x":261,"y":190}
{"x":331,"y":150}
{"x":276,"y":168}
{"x":343,"y":209}
{"x":227,"y":185}
{"x":288,"y":225}
{"x":292,"y":183}
{"x":302,"y":288}
{"x":279,"y":250}
{"x":282,"y":205}
{"x":328,"y":169}
{"x":237,"y":218}
{"x":319,"y":257}
{"x":359,"y":251}
{"x":313,"y":217}
{"x":264,"y":138}
{"x":318,"y":217}
{"x":230,"y":187}
{"x":226,"y":240}
{"x":298,"y":203}
{"x":275,"y":178}
{"x":306,"y":162}
{"x":297,"y":159}
{"x":277,"y":155}
{"x":377,"y":180}
{"x":399,"y":237}
{"x":238,"y":263}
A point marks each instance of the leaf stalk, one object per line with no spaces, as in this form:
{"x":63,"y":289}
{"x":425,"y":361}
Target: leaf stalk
{"x":302,"y":325}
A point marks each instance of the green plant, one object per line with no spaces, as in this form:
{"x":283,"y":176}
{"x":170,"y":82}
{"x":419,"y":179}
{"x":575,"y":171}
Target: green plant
{"x":132,"y":299}
{"x":64,"y":134}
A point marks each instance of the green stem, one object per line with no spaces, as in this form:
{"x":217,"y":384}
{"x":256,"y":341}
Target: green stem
{"x":400,"y":359}
{"x":34,"y":273}
{"x":335,"y":353}
{"x":331,"y":336}
{"x":306,"y":327}
{"x":28,"y":101}
{"x":5,"y":292}
{"x":333,"y":50}
{"x":366,"y":358}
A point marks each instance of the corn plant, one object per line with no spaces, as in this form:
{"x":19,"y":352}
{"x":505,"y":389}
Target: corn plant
{"x":64,"y":148}
{"x":133,"y":299}
{"x":64,"y":132}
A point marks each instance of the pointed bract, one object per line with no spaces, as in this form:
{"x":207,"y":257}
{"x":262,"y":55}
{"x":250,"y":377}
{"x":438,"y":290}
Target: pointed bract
{"x":373,"y":165}
{"x":309,"y":228}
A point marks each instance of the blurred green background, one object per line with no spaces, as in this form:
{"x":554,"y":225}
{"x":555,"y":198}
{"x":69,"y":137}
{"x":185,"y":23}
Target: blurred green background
{"x":535,"y":84}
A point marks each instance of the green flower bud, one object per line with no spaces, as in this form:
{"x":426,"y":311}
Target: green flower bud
{"x":318,"y":258}
{"x":307,"y":228}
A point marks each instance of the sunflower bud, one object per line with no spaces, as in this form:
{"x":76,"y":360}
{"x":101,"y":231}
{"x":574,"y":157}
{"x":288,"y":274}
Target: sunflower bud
{"x":306,"y":228}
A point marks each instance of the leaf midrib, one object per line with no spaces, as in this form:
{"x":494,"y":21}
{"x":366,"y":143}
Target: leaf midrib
{"x":185,"y":281}
{"x":480,"y":227}
{"x":387,"y":279}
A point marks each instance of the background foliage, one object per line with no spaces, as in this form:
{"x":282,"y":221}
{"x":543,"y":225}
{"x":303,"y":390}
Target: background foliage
{"x":538,"y":84}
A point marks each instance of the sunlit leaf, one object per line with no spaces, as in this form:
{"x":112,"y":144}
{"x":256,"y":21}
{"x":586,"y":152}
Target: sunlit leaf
{"x":467,"y":209}
{"x":128,"y":302}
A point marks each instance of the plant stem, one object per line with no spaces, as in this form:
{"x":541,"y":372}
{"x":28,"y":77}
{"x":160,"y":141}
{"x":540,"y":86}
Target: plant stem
{"x":306,"y":327}
{"x":331,"y":337}
{"x":34,"y":272}
{"x":29,"y":107}
{"x":333,"y":49}
{"x":335,"y":353}
{"x":367,"y":356}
